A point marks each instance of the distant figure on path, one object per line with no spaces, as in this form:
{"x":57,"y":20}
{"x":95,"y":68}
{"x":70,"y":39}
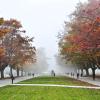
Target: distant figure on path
{"x":73,"y":75}
{"x":77,"y":75}
{"x":12,"y":78}
{"x":81,"y":74}
{"x":53,"y":73}
{"x":33,"y":74}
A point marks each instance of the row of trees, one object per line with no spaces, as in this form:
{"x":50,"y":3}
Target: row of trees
{"x":80,"y":41}
{"x":16,"y":49}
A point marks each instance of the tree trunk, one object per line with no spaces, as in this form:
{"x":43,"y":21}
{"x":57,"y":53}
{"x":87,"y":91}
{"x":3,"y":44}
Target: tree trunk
{"x":11,"y":71}
{"x":87,"y":72}
{"x":93,"y":73}
{"x":22,"y":72}
{"x":81,"y":72}
{"x":17,"y":72}
{"x":2,"y":74}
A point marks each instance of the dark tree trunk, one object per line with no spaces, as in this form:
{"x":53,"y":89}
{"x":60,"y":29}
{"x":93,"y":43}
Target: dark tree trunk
{"x":87,"y":72}
{"x":81,"y":72}
{"x":11,"y":71}
{"x":2,"y":73}
{"x":93,"y":73}
{"x":17,"y":72}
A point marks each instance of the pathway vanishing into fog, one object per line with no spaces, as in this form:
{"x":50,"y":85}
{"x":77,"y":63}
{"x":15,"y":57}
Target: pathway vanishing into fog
{"x":54,"y":85}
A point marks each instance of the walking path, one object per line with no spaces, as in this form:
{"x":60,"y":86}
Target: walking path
{"x":5,"y":82}
{"x":88,"y":80}
{"x":55,"y":85}
{"x":18,"y":79}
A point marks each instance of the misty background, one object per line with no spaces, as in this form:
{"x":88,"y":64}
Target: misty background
{"x":42,"y":19}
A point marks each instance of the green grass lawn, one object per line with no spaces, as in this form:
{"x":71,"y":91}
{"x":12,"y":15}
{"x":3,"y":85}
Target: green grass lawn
{"x":55,"y":80}
{"x":47,"y":93}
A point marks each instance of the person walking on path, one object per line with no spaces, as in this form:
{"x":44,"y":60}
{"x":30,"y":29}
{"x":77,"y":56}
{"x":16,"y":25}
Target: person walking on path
{"x":53,"y":73}
{"x":12,"y":78}
{"x":33,"y":74}
{"x":77,"y":75}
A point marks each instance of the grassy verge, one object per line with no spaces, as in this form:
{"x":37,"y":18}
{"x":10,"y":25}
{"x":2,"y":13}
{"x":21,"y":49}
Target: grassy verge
{"x":47,"y":93}
{"x":55,"y":80}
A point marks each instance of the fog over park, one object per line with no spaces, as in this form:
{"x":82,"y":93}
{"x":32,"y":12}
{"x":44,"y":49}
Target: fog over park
{"x":49,"y":49}
{"x":41,"y":64}
{"x":42,"y":20}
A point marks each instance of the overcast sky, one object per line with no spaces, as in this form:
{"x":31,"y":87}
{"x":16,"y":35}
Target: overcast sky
{"x":42,"y":19}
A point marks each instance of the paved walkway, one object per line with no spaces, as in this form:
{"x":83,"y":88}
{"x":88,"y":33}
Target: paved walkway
{"x":89,"y":80}
{"x":5,"y":82}
{"x":18,"y":79}
{"x":54,"y":85}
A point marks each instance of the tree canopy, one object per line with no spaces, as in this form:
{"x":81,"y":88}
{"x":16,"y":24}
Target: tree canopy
{"x":15,"y":49}
{"x":80,"y":42}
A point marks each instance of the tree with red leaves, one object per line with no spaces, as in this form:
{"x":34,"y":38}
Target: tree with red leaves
{"x":15,"y":49}
{"x":81,"y":44}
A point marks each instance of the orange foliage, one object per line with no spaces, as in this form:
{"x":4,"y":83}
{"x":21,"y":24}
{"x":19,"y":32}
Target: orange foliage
{"x":2,"y":52}
{"x":4,"y":31}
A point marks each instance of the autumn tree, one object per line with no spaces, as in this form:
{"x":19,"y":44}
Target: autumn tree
{"x":81,"y":44}
{"x":16,"y":49}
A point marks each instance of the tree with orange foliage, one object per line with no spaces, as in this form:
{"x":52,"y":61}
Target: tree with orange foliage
{"x":15,"y":49}
{"x":82,"y":41}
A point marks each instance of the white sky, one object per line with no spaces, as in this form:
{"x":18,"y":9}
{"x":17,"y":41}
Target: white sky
{"x":42,"y":19}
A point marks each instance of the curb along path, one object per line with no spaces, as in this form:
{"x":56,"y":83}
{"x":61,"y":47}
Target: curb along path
{"x":53,"y":85}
